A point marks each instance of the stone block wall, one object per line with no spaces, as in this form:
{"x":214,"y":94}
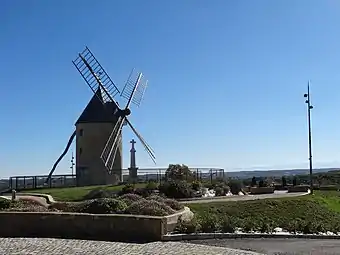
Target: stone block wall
{"x":112,"y":227}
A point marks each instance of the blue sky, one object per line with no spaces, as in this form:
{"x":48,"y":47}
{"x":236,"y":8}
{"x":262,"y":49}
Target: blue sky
{"x":226,"y":79}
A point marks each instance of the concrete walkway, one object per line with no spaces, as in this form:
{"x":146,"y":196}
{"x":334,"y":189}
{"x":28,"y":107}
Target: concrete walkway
{"x":279,"y":246}
{"x":276,"y":194}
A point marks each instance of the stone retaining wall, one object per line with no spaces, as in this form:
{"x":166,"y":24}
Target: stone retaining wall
{"x":299,"y":188}
{"x":261,"y":190}
{"x":111,"y":227}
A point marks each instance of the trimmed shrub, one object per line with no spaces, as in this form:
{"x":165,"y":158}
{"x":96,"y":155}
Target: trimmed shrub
{"x":129,"y":198}
{"x":176,"y":189}
{"x":149,"y":207}
{"x":102,"y":206}
{"x":98,"y":193}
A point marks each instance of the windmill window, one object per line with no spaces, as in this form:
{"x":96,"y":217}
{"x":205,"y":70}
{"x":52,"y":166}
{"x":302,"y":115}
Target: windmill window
{"x":81,"y":131}
{"x":80,"y":151}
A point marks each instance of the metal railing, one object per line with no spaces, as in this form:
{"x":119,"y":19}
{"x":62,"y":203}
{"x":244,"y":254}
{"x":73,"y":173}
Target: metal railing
{"x":144,"y":175}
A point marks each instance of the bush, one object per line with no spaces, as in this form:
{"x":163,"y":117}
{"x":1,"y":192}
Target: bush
{"x":4,"y":204}
{"x":102,"y":206}
{"x":128,"y":188}
{"x":249,"y":225}
{"x":176,"y":189}
{"x":156,"y":198}
{"x":98,"y":193}
{"x":227,"y":225}
{"x":188,"y":227}
{"x":26,"y":206}
{"x":196,"y":185}
{"x":219,"y":191}
{"x":143,"y":192}
{"x":329,"y":187}
{"x":292,"y":226}
{"x":66,"y":206}
{"x":179,"y":172}
{"x":149,"y":207}
{"x":151,"y":185}
{"x":129,"y":198}
{"x":209,"y":223}
{"x":175,"y":205}
{"x":266,"y":226}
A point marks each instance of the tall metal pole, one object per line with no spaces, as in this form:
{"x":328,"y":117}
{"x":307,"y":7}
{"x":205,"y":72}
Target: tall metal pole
{"x":309,"y":108}
{"x":72,"y":164}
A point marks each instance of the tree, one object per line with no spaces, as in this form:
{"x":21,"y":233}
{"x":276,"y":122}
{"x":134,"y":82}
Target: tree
{"x":294,"y":181}
{"x":284,"y":181}
{"x":253,"y":181}
{"x":261,"y":184}
{"x":179,"y":172}
{"x":235,"y":186}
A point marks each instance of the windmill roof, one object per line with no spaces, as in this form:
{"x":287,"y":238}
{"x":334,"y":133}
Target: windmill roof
{"x":96,"y":111}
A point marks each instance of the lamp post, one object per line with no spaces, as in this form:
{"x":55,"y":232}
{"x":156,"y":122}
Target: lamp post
{"x":309,"y":108}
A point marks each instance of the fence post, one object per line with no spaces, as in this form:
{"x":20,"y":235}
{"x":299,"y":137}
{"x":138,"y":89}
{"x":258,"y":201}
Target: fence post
{"x":14,"y":194}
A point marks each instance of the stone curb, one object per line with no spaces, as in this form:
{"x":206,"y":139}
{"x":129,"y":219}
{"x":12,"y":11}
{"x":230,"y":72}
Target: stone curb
{"x":49,"y":198}
{"x":205,"y":236}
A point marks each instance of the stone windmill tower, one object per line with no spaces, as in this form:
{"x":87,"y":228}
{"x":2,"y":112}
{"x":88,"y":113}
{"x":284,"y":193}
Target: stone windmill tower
{"x":99,"y":128}
{"x":93,"y":128}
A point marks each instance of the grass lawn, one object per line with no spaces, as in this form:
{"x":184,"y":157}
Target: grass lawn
{"x":76,"y":193}
{"x":322,"y":209}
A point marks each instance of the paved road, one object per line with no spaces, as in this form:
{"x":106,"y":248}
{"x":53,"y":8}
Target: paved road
{"x":278,"y":246}
{"x":49,"y":246}
{"x":277,"y":194}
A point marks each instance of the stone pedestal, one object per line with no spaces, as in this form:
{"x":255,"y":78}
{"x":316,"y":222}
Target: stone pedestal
{"x":133,"y":178}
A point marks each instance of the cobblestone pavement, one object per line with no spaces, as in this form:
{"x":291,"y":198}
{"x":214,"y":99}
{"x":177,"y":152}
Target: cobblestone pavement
{"x":49,"y":246}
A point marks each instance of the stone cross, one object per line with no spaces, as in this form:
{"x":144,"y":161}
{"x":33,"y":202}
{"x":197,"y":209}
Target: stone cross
{"x":132,"y":144}
{"x":133,"y":154}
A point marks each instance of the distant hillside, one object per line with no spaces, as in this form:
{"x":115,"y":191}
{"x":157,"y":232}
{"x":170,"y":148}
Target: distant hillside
{"x":276,"y":173}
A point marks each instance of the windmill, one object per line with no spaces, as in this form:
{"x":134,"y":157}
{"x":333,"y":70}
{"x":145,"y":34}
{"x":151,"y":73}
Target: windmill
{"x":105,"y":90}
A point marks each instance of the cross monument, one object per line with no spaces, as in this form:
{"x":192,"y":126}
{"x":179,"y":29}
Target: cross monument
{"x":133,"y":169}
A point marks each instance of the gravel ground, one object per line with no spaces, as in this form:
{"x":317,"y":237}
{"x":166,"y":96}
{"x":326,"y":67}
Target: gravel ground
{"x":278,"y":246}
{"x":49,"y":246}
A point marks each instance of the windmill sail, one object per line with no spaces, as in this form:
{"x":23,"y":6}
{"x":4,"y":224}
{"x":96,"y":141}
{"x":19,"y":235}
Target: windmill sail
{"x":112,"y":145}
{"x":134,"y":88}
{"x":94,"y":75}
{"x":147,"y":148}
